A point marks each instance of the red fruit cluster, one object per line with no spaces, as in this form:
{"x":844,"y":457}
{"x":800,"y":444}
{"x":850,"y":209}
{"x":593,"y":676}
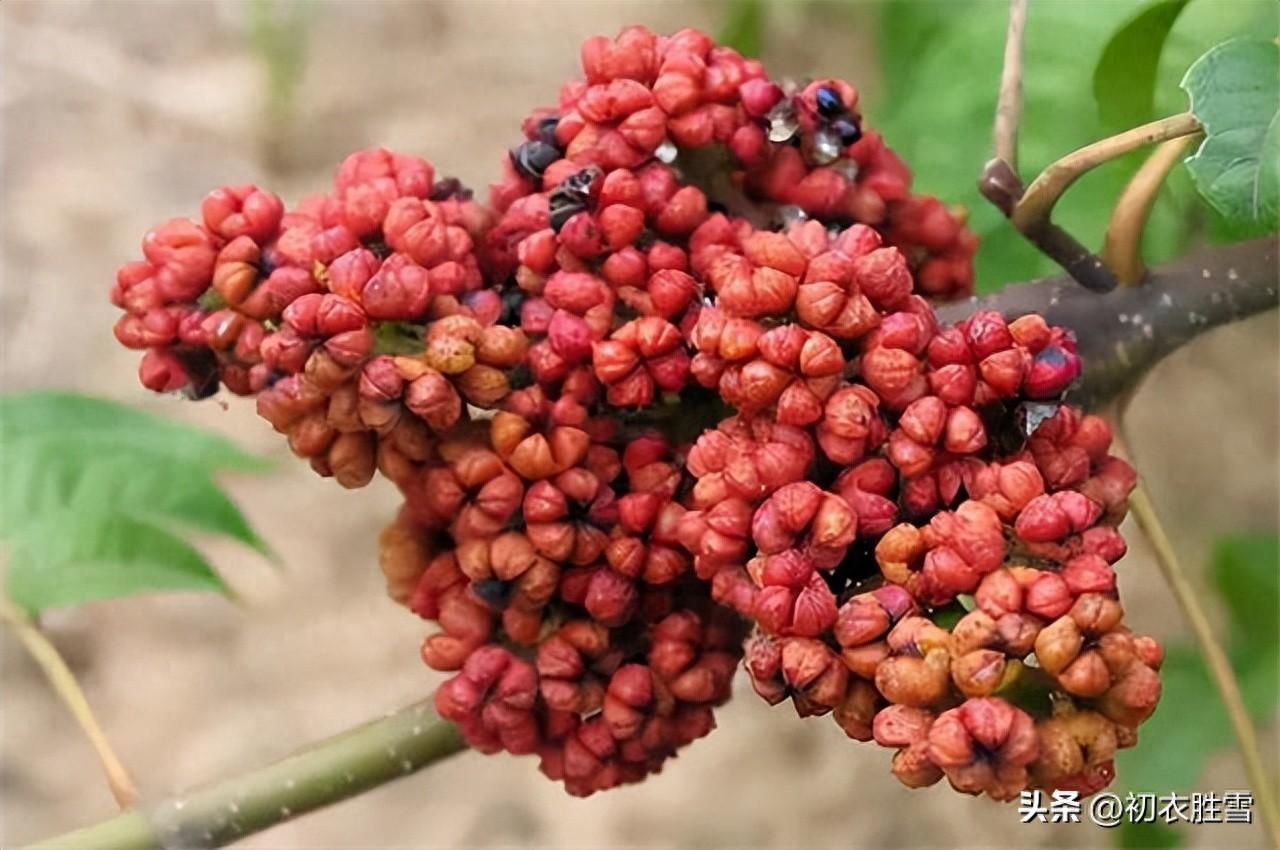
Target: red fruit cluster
{"x":632,"y":424}
{"x":647,"y":100}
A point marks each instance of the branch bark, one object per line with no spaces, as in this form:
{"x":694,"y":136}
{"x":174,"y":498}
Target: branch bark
{"x":1121,"y":335}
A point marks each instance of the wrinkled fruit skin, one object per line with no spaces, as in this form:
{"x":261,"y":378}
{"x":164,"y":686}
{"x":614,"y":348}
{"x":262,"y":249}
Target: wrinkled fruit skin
{"x":642,"y":441}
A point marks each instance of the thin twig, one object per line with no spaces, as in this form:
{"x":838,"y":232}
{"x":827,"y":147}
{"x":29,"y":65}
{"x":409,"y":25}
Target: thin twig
{"x":1009,"y":104}
{"x":325,"y":773}
{"x":46,"y":655}
{"x":1000,"y":183}
{"x":1144,"y":513}
{"x":1122,"y":246}
{"x":1036,"y":205}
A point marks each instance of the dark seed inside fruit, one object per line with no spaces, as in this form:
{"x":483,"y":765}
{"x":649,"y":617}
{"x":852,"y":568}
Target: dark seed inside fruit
{"x":848,"y":130}
{"x":547,"y":130}
{"x":531,"y":159}
{"x":829,"y":103}
{"x":493,"y":591}
{"x":450,"y":187}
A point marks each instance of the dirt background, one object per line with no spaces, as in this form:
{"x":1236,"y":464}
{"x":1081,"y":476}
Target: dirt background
{"x":120,"y":114}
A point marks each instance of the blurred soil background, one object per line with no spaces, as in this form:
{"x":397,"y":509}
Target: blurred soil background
{"x":117,"y":115}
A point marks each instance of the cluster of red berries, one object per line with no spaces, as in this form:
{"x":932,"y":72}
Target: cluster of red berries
{"x":673,"y":396}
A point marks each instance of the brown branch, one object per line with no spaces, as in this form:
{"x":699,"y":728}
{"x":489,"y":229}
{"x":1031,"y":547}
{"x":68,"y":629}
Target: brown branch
{"x":1000,"y":183}
{"x":1123,"y":333}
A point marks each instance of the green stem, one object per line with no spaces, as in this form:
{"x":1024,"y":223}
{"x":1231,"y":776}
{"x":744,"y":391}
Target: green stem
{"x":325,"y":773}
{"x":1224,"y":677}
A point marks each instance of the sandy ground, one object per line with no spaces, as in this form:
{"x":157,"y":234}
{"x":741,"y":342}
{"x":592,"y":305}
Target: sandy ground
{"x":119,"y":114}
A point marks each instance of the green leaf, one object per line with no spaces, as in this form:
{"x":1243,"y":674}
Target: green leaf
{"x":1245,"y":570}
{"x":1134,"y":835}
{"x":940,"y":72}
{"x":68,"y":558}
{"x":1188,"y":725}
{"x":1124,"y":80}
{"x":743,"y":29}
{"x":47,"y":473}
{"x":94,"y":498}
{"x":28,"y":420}
{"x":943,"y":129}
{"x":1235,"y":92}
{"x":1191,"y":719}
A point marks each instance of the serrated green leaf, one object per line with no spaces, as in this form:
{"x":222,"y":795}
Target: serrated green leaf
{"x":1124,"y":80}
{"x":1245,"y":569}
{"x":49,"y":474}
{"x":94,"y":497}
{"x":68,"y":558}
{"x":743,"y":28}
{"x":1235,"y":92}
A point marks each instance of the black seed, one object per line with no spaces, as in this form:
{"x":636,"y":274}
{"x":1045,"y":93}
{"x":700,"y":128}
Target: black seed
{"x":547,"y":130}
{"x":1004,"y":424}
{"x":531,"y":159}
{"x":492,"y":591}
{"x":1053,"y":355}
{"x":847,"y":129}
{"x":378,"y":247}
{"x":520,"y":377}
{"x":571,"y":197}
{"x":579,"y":185}
{"x":266,"y":265}
{"x":512,"y":301}
{"x":203,"y":370}
{"x":450,"y":187}
{"x":829,"y":103}
{"x":563,"y":211}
